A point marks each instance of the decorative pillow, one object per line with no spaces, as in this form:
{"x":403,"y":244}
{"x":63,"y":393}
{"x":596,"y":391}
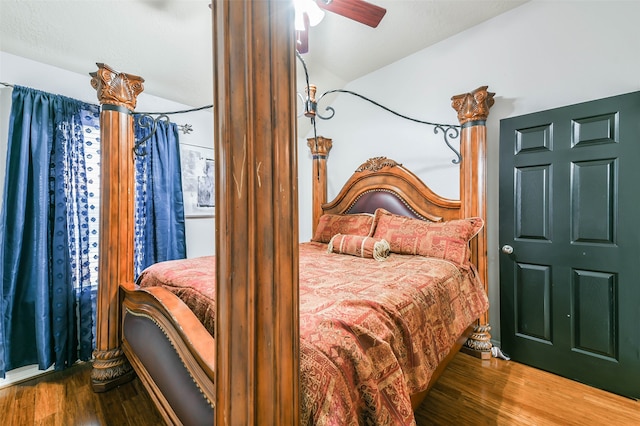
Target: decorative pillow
{"x":357,"y":245}
{"x":442,"y":240}
{"x":352,"y":224}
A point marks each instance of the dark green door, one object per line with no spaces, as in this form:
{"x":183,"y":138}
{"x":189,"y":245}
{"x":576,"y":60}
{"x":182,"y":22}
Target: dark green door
{"x":570,"y":241}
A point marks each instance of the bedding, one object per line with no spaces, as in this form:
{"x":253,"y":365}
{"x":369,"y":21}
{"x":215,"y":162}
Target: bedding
{"x":371,"y":333}
{"x":349,"y":224}
{"x":447,"y":240}
{"x":357,"y":245}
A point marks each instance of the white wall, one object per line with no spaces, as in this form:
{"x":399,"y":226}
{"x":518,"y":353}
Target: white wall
{"x":540,"y":55}
{"x":25,"y":72}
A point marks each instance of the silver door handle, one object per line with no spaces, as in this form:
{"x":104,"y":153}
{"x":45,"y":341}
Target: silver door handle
{"x":507,"y":249}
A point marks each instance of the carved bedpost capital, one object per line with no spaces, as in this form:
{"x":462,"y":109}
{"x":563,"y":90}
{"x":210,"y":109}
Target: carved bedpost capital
{"x":473,"y":106}
{"x":320,"y":146}
{"x":116,"y":88}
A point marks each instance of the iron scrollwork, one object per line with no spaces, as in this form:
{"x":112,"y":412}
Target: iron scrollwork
{"x":147,"y":121}
{"x":450,"y":131}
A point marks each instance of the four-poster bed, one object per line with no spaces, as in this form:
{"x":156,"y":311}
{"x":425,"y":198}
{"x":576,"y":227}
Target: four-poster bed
{"x":170,"y":347}
{"x":255,"y":355}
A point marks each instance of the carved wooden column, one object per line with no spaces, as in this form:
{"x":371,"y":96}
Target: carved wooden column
{"x":257,"y":327}
{"x":320,"y":148}
{"x":473,"y":110}
{"x":117,"y":93}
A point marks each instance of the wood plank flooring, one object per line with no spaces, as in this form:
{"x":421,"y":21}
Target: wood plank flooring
{"x":470,"y":392}
{"x":497,"y":392}
{"x":66,"y":398}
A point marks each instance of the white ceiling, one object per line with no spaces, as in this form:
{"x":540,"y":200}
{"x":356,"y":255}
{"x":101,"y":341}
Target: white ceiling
{"x":168,"y":42}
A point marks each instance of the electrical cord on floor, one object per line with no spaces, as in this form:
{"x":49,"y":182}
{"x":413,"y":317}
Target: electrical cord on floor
{"x":497,"y":353}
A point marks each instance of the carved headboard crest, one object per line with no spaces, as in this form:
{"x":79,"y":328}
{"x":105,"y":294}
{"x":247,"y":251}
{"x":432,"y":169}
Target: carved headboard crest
{"x":376,"y":163}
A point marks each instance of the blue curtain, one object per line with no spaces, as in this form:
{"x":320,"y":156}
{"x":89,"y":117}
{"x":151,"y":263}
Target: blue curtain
{"x":159,"y":222}
{"x":49,"y":225}
{"x":44,"y":255}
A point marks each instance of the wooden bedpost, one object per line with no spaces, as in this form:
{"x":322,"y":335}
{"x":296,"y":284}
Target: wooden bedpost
{"x":473,"y":110}
{"x":257,"y":327}
{"x":117,"y":93}
{"x":320,"y":148}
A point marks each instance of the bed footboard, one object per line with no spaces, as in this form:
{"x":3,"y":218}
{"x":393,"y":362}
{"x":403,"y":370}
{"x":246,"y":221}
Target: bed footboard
{"x":172,"y":353}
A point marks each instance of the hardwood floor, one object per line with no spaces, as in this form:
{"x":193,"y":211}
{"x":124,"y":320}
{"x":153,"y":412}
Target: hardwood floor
{"x":65,"y":398}
{"x":470,"y":392}
{"x":496,"y":392}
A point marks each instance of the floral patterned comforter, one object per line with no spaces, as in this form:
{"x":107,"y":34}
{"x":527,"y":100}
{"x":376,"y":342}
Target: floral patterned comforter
{"x":371,"y":333}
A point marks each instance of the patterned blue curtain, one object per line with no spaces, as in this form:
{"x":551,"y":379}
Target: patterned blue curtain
{"x":159,"y":216}
{"x":49,"y":225}
{"x":45,"y":297}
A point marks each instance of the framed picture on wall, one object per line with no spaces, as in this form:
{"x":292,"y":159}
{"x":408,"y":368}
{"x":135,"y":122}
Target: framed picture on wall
{"x":198,"y":180}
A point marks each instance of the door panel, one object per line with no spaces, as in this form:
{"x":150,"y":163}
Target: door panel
{"x":593,"y":206}
{"x":533,"y":207}
{"x":569,"y":203}
{"x":595,"y":317}
{"x":533,"y":293}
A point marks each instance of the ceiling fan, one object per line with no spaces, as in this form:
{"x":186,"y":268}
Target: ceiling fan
{"x":310,"y":13}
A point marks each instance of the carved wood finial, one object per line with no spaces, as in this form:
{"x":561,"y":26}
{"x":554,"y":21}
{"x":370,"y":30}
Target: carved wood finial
{"x":480,"y":339}
{"x":473,"y":106}
{"x":376,"y":163}
{"x":311,"y":92}
{"x":116,"y":88}
{"x":320,"y":146}
{"x":311,"y":104}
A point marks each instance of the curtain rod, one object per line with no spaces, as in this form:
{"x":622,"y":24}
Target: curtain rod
{"x":177,"y":112}
{"x":184,"y":128}
{"x":147,"y":120}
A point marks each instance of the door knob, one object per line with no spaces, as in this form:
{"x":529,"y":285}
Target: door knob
{"x":507,"y":249}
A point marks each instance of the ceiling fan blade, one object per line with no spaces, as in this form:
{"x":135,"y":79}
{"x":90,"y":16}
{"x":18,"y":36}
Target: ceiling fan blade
{"x":358,"y":10}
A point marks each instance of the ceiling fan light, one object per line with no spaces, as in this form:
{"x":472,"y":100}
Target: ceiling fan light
{"x":316,"y":15}
{"x":311,"y":8}
{"x":299,"y":20}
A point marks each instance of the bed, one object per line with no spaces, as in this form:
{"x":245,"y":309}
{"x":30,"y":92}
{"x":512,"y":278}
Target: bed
{"x":257,"y":355}
{"x":169,"y":316}
{"x":373,"y":332}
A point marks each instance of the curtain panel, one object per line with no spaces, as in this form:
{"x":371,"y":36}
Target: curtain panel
{"x":45,"y":234}
{"x":49,"y":225}
{"x":159,"y":213}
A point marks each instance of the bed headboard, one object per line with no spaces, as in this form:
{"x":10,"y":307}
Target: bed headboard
{"x":383,"y":182}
